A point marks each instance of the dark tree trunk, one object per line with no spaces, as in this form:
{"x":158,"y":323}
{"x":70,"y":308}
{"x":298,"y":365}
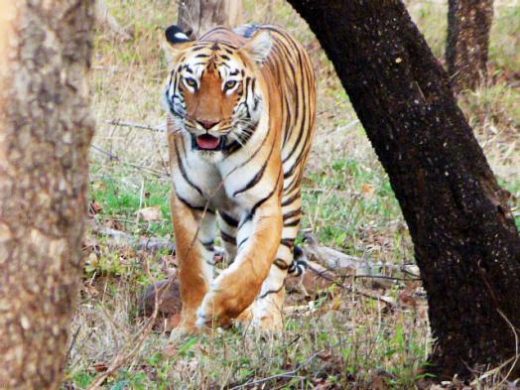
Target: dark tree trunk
{"x":469,"y":24}
{"x":198,"y":16}
{"x":466,"y":242}
{"x":45,"y":132}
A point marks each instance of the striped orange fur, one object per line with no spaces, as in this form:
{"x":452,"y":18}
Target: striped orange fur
{"x":241,"y":110}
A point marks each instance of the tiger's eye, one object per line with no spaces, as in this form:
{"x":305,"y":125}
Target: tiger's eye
{"x":190,"y":82}
{"x":229,"y":84}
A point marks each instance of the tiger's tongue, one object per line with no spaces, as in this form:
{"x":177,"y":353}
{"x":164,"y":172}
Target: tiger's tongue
{"x":207,"y":141}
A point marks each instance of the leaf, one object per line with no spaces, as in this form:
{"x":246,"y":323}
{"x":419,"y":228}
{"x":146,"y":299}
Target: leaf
{"x":100,"y":366}
{"x":149,"y":214}
{"x":368,"y":190}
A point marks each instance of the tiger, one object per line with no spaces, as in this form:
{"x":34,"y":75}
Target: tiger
{"x":241,"y":107}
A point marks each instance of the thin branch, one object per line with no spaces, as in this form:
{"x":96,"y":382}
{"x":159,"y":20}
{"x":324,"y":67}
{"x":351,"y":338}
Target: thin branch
{"x":288,"y":374}
{"x":364,"y":293}
{"x":114,"y":157}
{"x":119,"y":123}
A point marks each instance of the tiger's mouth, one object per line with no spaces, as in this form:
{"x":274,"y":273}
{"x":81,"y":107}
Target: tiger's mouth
{"x":208,"y":142}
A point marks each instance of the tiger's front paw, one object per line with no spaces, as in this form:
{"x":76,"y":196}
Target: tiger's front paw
{"x":186,"y":327}
{"x":216,"y":310}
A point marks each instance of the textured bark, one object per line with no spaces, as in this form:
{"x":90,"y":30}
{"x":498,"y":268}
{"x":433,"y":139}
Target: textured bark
{"x":469,"y":24}
{"x":466,"y":243}
{"x":45,"y":132}
{"x":198,"y":16}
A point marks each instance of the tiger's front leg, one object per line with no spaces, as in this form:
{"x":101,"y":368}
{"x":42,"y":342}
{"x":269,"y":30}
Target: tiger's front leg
{"x":195,"y":233}
{"x":236,"y":288}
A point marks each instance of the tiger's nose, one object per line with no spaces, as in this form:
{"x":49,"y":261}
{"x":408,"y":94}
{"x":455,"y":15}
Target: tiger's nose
{"x":207,"y":124}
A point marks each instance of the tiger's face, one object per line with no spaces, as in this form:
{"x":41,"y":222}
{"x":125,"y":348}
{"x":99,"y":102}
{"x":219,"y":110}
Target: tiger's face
{"x":213,"y":92}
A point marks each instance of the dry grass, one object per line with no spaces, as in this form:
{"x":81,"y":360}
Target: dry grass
{"x":341,"y":340}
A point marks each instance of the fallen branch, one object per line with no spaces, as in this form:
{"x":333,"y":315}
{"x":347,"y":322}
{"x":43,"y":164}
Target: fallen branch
{"x":339,"y":262}
{"x":122,"y":239}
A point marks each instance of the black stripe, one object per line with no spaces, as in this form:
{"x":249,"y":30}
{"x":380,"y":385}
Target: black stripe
{"x":292,"y":214}
{"x":258,"y":175}
{"x":184,"y":173}
{"x":232,"y":147}
{"x":228,"y":219}
{"x":243,"y":241}
{"x":262,"y":201}
{"x":228,"y":238}
{"x":248,"y":218}
{"x":288,"y":201}
{"x":288,"y":242}
{"x":292,"y":223}
{"x":272,"y":291}
{"x":280,"y":263}
{"x":210,"y":246}
{"x":251,"y":157}
{"x":197,"y":208}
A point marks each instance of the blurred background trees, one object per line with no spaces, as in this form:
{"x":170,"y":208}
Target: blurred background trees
{"x":469,"y":26}
{"x":197,"y":17}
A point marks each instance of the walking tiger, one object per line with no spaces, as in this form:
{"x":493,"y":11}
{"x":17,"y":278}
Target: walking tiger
{"x":241,"y":110}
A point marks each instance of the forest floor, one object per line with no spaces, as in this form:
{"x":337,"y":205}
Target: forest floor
{"x":338,"y":337}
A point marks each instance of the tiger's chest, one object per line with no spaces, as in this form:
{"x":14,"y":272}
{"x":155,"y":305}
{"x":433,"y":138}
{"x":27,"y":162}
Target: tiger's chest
{"x":206,"y":183}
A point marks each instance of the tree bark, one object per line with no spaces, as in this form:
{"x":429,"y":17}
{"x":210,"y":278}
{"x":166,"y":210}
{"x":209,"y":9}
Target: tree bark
{"x":45,"y":132}
{"x":466,"y":243}
{"x":198,"y":16}
{"x":469,"y":25}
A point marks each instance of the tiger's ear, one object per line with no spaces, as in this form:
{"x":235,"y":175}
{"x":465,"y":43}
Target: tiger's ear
{"x":176,"y":37}
{"x":259,"y":47}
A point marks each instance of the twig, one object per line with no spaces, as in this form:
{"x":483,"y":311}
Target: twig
{"x":136,"y":126}
{"x":288,"y":374}
{"x":364,"y":293}
{"x":385,"y":277}
{"x":73,"y":342}
{"x":113,"y":157}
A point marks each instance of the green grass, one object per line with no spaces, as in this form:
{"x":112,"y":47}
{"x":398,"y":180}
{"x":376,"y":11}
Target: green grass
{"x":122,"y":193}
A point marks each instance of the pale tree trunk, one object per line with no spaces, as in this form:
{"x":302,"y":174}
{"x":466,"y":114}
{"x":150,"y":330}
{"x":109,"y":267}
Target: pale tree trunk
{"x":45,"y":132}
{"x":469,"y":24}
{"x":198,"y":16}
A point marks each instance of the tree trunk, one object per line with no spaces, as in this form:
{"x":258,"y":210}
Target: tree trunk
{"x":198,"y":16}
{"x":469,"y":24}
{"x":45,"y":132}
{"x":466,"y":243}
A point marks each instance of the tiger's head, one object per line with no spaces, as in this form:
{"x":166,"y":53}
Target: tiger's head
{"x":213,"y":91}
